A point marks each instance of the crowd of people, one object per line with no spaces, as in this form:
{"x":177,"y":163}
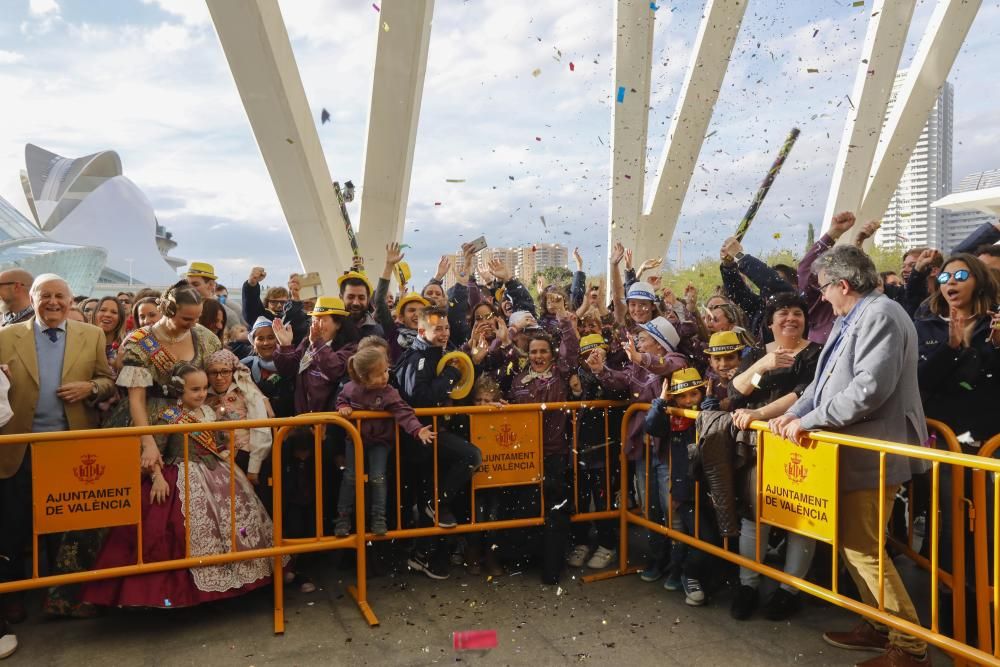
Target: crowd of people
{"x":830,"y":345}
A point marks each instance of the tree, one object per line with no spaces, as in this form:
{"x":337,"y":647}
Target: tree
{"x":557,"y":275}
{"x":810,"y":237}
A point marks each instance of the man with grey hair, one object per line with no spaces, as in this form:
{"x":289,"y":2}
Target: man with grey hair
{"x":58,"y":371}
{"x":865,"y":385}
{"x":14,"y":285}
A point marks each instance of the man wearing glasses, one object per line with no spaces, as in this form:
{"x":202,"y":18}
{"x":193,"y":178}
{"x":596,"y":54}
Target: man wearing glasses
{"x":14,"y":292}
{"x":277,"y":302}
{"x":865,"y":385}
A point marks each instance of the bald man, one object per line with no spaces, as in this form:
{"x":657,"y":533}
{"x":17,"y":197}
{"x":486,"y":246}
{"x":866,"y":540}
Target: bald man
{"x":15,"y":285}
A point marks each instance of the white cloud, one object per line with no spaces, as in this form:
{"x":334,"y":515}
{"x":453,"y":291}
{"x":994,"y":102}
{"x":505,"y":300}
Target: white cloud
{"x":192,"y":12}
{"x":43,"y":7}
{"x":10,"y":57}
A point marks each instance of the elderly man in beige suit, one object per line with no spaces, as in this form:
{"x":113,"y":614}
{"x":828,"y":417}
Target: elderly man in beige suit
{"x":58,"y":370}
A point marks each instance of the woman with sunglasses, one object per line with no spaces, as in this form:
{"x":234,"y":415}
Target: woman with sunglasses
{"x":959,"y":366}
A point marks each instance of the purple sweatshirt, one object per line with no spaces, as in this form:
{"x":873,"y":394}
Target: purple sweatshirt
{"x":382,"y":399}
{"x":316,"y":385}
{"x":553,"y":389}
{"x":820,"y":313}
{"x":644,"y":381}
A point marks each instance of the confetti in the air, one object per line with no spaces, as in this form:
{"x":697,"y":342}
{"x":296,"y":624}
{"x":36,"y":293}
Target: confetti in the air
{"x":621,"y":94}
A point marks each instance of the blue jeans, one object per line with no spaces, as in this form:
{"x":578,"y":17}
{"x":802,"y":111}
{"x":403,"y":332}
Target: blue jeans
{"x":659,"y":476}
{"x":377,"y":455}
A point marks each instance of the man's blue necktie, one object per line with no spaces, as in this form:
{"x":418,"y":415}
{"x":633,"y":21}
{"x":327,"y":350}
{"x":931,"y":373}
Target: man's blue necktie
{"x":52,"y":333}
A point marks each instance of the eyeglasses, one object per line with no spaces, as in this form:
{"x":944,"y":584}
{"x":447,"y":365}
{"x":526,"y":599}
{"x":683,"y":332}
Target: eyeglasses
{"x":220,"y":374}
{"x":822,"y":288}
{"x":960,"y":276}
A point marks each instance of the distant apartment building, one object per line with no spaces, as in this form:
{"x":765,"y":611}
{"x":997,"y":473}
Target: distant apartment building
{"x":909,"y":220}
{"x":959,"y":224}
{"x":523,"y":262}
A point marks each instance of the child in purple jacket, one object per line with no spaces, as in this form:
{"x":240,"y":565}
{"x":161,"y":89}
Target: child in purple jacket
{"x":369,"y":389}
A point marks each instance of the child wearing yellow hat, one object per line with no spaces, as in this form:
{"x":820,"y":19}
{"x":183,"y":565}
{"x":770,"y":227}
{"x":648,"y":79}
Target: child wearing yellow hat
{"x":724,"y":353}
{"x":688,"y":567}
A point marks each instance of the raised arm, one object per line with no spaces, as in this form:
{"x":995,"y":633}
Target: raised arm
{"x":617,"y":287}
{"x":251,"y":303}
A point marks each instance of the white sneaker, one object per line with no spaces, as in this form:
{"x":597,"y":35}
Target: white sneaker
{"x":8,"y":644}
{"x":694,"y":596}
{"x":601,"y":558}
{"x":578,"y":555}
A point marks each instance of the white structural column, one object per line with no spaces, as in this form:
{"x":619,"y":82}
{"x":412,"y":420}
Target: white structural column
{"x":948,"y":26}
{"x":880,"y":55}
{"x":256,"y":44}
{"x":397,"y":87}
{"x":633,"y":62}
{"x":720,"y":24}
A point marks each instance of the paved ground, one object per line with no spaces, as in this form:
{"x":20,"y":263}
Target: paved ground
{"x":619,"y":622}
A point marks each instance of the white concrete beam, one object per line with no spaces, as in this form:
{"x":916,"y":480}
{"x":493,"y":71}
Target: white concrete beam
{"x":397,"y":90}
{"x":713,"y":46}
{"x":946,"y":31}
{"x":255,"y":41}
{"x":880,"y":55}
{"x":986,"y":200}
{"x":633,"y":43}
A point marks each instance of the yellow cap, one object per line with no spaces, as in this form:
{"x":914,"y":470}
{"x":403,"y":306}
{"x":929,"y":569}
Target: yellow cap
{"x":354,"y":274}
{"x":412,"y":297}
{"x":592,"y":341}
{"x":724,"y":342}
{"x":201,"y":270}
{"x":404,"y":273}
{"x":329,"y":305}
{"x":685,"y":379}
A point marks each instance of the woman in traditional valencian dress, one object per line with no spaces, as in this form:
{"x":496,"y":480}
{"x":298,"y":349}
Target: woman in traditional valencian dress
{"x":204,"y":501}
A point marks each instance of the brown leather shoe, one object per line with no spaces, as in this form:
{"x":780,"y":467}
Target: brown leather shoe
{"x":863,"y":637}
{"x":896,"y":657}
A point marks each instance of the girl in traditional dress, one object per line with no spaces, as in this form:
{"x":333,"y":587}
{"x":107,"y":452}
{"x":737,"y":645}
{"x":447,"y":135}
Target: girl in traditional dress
{"x":204,"y":502}
{"x":233,"y":395}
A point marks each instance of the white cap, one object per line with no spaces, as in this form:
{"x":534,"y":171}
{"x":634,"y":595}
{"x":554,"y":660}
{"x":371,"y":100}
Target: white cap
{"x":641,"y":290}
{"x":663,"y":332}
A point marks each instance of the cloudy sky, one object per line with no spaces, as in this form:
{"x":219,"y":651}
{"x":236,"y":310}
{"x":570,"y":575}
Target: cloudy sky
{"x":148,"y":79}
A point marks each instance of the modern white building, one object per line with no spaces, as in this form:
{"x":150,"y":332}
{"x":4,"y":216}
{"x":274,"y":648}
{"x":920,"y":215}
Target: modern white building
{"x":89,"y":201}
{"x":23,"y":245}
{"x":909,"y":220}
{"x":959,"y":224}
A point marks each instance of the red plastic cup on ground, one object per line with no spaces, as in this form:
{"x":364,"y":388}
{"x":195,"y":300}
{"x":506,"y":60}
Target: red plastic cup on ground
{"x":474,"y":640}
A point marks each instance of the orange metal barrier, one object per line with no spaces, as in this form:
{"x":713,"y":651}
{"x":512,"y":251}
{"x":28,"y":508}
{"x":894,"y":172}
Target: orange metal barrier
{"x":475,"y":525}
{"x":279,"y":549}
{"x":986,"y":582}
{"x":956,"y":646}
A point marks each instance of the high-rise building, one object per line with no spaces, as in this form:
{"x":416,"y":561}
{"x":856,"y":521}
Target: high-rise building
{"x":909,"y":220}
{"x":533,"y":259}
{"x":523,"y":262}
{"x":959,"y":224}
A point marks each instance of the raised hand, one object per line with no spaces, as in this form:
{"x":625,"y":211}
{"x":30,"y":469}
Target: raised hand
{"x":730,"y":248}
{"x":669,"y":297}
{"x":691,"y":295}
{"x":840,"y":224}
{"x":293,"y":287}
{"x":393,"y":255}
{"x":628,"y":259}
{"x":499,"y":271}
{"x":867,"y":232}
{"x":443,"y":266}
{"x":649,"y":264}
{"x":579,"y":259}
{"x":926,"y":258}
{"x":595,"y":360}
{"x":283,"y":332}
{"x":633,"y":354}
{"x":257,"y":274}
{"x":956,"y":329}
{"x":617,"y":253}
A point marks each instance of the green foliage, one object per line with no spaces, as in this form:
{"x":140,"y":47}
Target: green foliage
{"x":557,"y":275}
{"x":706,"y":278}
{"x":810,"y":237}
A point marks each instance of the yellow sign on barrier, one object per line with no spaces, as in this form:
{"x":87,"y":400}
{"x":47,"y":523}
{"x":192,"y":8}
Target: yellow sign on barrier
{"x":799,"y":487}
{"x":511,"y":447}
{"x":82,"y":484}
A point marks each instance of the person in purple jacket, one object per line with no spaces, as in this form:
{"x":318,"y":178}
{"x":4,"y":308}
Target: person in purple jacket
{"x":369,"y":389}
{"x":546,"y":380}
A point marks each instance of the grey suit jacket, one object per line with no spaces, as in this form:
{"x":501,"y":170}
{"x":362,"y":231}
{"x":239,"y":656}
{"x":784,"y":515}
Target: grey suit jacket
{"x":868,"y":388}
